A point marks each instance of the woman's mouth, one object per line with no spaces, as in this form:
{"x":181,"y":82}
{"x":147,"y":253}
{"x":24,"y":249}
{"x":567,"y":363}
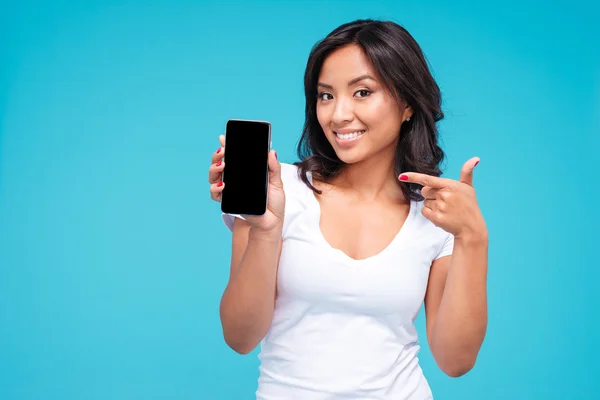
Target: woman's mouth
{"x":348,"y":138}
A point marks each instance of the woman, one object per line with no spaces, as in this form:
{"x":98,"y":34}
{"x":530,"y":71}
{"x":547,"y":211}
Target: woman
{"x":359,"y":234}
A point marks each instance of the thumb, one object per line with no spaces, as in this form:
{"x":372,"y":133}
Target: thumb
{"x":274,"y":170}
{"x":466,"y":173}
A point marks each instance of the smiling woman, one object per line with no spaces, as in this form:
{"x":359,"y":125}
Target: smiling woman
{"x":359,"y":234}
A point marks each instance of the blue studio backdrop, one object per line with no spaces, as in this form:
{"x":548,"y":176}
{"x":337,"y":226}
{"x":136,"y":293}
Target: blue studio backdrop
{"x":113,"y":258}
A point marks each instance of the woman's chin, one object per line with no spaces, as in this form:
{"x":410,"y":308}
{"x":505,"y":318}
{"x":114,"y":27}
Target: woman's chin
{"x":350,"y":156}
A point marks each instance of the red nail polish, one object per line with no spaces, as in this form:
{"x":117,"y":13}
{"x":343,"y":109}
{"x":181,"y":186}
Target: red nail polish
{"x":475,"y":164}
{"x":274,"y":152}
{"x":403,"y":177}
{"x":219,"y":184}
{"x":218,"y":164}
{"x":218,"y":151}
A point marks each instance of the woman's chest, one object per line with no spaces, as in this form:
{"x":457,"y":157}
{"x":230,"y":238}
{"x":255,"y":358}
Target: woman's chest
{"x":313,"y":272}
{"x":360,"y":231}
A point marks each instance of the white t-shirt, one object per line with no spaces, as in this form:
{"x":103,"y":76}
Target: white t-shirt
{"x":344,"y":328}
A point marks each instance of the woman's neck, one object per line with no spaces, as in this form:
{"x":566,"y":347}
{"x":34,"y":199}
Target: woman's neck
{"x":371,"y":179}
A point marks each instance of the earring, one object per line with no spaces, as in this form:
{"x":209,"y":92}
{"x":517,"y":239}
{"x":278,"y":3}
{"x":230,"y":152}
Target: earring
{"x":407,"y":119}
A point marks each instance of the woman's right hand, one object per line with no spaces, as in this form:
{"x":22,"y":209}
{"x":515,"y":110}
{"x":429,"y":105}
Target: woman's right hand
{"x":272,"y":219}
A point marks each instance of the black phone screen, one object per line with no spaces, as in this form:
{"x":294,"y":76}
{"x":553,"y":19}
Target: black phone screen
{"x":245,"y":174}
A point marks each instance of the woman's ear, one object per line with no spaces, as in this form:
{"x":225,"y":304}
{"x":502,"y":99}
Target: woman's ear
{"x":408,"y":112}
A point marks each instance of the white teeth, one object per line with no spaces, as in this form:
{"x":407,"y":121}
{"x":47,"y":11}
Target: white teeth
{"x":352,"y":135}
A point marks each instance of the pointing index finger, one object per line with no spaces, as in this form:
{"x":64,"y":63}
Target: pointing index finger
{"x":425,"y":180}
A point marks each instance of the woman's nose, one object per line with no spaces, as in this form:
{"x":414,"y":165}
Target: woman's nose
{"x":343,"y":112}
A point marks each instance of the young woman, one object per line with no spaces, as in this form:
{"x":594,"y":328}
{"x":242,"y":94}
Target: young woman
{"x":359,"y":234}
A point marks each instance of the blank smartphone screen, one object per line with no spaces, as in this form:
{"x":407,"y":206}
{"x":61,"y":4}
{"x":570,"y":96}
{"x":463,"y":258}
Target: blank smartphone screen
{"x":246,"y":169}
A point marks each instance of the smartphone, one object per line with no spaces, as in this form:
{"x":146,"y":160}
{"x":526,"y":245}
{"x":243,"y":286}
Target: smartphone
{"x":246,"y":172}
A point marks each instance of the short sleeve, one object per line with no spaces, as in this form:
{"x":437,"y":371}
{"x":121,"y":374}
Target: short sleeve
{"x":447,"y":246}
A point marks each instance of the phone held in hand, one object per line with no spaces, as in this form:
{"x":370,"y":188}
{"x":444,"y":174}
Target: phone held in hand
{"x":246,"y":172}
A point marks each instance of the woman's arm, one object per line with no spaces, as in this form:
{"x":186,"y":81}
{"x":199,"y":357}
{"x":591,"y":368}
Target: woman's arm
{"x":248,"y":302}
{"x":456,"y":305}
{"x":456,"y":299}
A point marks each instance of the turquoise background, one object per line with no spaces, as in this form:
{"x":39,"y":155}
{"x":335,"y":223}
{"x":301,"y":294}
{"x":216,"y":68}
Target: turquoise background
{"x":113,"y":258}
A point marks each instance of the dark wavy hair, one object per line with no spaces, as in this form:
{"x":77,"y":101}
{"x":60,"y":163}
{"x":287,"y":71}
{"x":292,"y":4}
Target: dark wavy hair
{"x":400,"y":63}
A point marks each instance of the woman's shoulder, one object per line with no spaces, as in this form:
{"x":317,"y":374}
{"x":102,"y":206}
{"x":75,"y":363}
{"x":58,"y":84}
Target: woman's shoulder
{"x":422,"y":222}
{"x":292,"y":182}
{"x":427,"y":231}
{"x":289,"y":172}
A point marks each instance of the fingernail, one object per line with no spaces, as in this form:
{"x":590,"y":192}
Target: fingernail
{"x":477,"y":162}
{"x":274,"y":152}
{"x":403,"y":177}
{"x":218,"y":164}
{"x":219,"y":184}
{"x":218,"y":151}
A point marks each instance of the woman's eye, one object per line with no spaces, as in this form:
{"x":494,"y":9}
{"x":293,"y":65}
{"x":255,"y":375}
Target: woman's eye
{"x":363,"y":93}
{"x":325,"y":96}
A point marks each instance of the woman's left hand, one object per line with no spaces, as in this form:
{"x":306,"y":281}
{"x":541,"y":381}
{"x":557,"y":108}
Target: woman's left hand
{"x":450,"y":204}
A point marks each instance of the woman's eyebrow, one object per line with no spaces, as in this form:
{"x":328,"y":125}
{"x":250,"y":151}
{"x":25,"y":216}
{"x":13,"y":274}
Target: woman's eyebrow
{"x":352,"y":82}
{"x":360,"y":78}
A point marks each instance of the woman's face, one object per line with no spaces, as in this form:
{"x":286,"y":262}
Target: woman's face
{"x":359,"y":116}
